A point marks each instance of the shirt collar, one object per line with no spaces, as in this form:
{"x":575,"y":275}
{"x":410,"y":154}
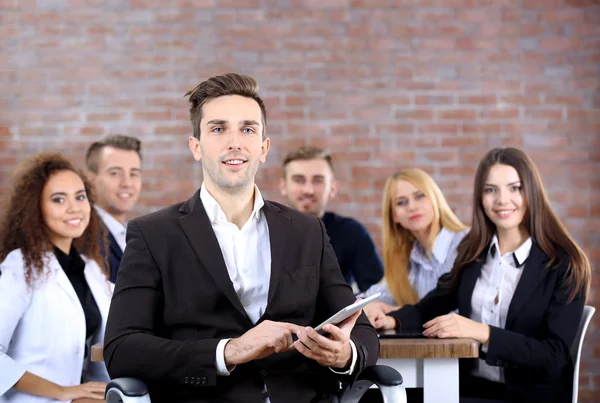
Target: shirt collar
{"x":519,"y":255}
{"x":114,"y":226}
{"x":70,"y":263}
{"x":441,"y":246}
{"x":215,"y":212}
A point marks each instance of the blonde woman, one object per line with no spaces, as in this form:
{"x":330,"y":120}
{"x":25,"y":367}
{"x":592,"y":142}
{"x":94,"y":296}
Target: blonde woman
{"x":420,"y":236}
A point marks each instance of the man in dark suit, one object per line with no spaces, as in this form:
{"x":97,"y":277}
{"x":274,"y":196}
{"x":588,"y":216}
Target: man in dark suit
{"x":308,"y":184}
{"x":211,"y":292}
{"x":114,"y":168}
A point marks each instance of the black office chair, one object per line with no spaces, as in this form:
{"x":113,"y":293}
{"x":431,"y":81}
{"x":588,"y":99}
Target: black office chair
{"x":387,"y":379}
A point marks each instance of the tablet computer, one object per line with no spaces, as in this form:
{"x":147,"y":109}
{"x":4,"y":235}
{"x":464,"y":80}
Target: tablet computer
{"x":345,"y":313}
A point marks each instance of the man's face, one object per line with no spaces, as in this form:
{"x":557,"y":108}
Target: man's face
{"x":231,"y":144}
{"x":118,"y":181}
{"x":308,"y":185}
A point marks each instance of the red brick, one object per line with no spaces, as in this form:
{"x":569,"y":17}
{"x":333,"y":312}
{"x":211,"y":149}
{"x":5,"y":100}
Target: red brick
{"x":482,"y":128}
{"x":501,"y":113}
{"x":445,"y":128}
{"x":464,"y":141}
{"x":438,"y":43}
{"x":564,"y":15}
{"x":458,"y":114}
{"x":433,"y":100}
{"x":159,"y":115}
{"x":418,"y":114}
{"x":521,"y":99}
{"x":478,"y":99}
{"x":442,"y":156}
{"x":561,"y":44}
{"x":103,"y":117}
{"x":543,"y":113}
{"x":542,"y":3}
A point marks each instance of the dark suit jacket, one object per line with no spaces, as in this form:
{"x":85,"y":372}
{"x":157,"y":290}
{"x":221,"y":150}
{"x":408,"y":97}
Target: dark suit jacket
{"x":540,"y":328}
{"x":114,"y":254}
{"x":174,"y":302}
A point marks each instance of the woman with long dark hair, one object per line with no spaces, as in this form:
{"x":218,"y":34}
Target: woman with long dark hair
{"x":54,"y":292}
{"x":519,"y":283}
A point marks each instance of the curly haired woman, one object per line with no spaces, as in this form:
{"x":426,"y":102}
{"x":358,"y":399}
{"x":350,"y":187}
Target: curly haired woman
{"x":53,"y":300}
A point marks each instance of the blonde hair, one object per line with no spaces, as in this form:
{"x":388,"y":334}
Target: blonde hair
{"x":398,"y":241}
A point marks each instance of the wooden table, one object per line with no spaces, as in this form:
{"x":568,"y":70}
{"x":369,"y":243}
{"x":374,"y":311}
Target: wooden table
{"x":431,"y":364}
{"x":98,"y":352}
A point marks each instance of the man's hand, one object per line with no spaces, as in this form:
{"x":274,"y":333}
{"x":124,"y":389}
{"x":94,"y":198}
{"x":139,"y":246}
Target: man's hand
{"x":376,"y":309}
{"x":335,"y":351}
{"x":260,"y":342}
{"x":457,"y":326}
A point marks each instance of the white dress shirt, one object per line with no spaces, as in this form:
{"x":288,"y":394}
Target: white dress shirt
{"x":247,"y":255}
{"x":117,"y":229}
{"x":493,"y":293}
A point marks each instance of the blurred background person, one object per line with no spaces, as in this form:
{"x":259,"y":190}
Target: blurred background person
{"x":308,"y":184}
{"x":54,"y":293}
{"x":420,"y":236}
{"x":114,"y":169}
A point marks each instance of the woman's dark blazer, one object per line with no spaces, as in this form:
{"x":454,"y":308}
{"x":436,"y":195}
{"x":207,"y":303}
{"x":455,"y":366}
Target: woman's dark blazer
{"x":534,"y":348}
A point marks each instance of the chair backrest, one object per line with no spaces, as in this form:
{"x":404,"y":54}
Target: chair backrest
{"x":588,"y":312}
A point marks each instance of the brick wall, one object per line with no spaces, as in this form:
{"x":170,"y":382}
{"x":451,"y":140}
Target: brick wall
{"x":427,"y":83}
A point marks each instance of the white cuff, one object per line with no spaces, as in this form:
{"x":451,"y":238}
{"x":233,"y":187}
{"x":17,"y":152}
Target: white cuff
{"x":10,"y":373}
{"x":222,"y":369}
{"x":352,"y":364}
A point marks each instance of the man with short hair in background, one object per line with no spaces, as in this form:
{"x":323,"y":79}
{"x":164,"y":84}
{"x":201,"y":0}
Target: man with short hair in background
{"x":114,"y":168}
{"x":308,"y":183}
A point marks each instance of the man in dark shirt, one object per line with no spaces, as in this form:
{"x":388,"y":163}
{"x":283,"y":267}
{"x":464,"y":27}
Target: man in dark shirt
{"x":308,"y":184}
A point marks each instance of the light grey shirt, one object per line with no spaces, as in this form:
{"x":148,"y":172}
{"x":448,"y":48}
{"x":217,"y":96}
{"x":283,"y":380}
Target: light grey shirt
{"x":424,"y":271}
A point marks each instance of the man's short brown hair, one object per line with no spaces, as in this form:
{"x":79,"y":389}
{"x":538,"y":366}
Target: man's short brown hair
{"x":308,"y":153}
{"x":219,"y":86}
{"x":117,"y":141}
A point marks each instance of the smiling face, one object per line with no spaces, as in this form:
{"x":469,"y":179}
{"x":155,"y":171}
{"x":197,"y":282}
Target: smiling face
{"x":231,"y":144}
{"x":308,"y":185}
{"x":65,"y":208}
{"x":118,"y":181}
{"x":503,"y":199}
{"x":412,"y":209}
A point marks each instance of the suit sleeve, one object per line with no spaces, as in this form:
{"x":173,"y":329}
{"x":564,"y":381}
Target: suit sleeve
{"x":439,"y":301}
{"x":367,"y":267}
{"x":14,"y":300}
{"x":549,"y":351}
{"x":335,"y":294}
{"x":133,"y":346}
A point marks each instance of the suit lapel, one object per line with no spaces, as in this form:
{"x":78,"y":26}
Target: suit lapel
{"x":469,"y":278}
{"x":279,"y":231}
{"x":534,"y":271}
{"x":62,"y":279}
{"x":114,"y":246}
{"x":198,"y":229}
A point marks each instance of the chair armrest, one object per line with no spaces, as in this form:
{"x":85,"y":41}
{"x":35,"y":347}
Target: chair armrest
{"x":388,"y":380}
{"x":126,"y":390}
{"x":381,"y":375}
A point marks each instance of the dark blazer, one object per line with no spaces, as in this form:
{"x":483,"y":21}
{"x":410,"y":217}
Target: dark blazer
{"x":174,"y":302}
{"x":540,"y":327}
{"x":114,"y":255}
